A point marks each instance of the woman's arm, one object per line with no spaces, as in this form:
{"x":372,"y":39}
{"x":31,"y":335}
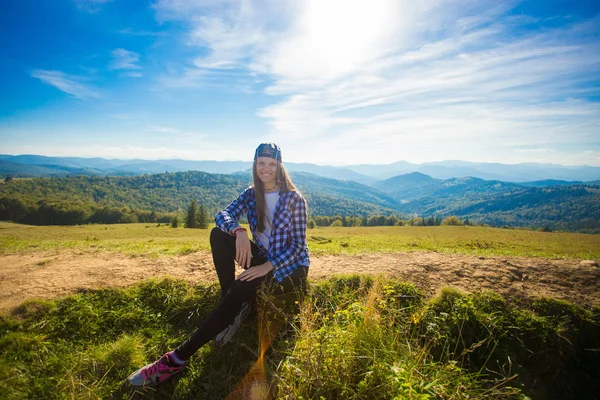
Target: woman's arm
{"x":297,"y":234}
{"x":227,"y":220}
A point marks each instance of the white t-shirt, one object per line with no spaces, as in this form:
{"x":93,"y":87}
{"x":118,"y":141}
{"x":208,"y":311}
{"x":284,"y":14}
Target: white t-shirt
{"x":271,"y":200}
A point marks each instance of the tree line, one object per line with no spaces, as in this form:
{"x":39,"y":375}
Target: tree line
{"x":49,"y":213}
{"x":382,"y":220}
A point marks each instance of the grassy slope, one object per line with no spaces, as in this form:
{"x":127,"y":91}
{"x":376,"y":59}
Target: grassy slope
{"x":149,"y":239}
{"x":351,"y":338}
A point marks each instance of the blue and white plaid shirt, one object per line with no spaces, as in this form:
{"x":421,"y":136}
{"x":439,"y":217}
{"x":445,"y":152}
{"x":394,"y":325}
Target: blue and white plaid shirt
{"x":288,"y":249}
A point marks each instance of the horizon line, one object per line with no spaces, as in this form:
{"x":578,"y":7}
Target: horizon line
{"x":295,"y":162}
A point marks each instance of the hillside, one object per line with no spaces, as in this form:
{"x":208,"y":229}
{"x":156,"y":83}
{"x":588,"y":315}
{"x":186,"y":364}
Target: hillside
{"x":564,"y":206}
{"x":574,"y":208}
{"x":415,"y":186}
{"x":348,"y":189}
{"x":409,"y":187}
{"x":171,"y":193}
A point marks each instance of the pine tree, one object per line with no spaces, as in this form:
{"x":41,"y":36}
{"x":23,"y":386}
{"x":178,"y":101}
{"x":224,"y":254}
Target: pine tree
{"x":201,"y":218}
{"x":191,"y":220}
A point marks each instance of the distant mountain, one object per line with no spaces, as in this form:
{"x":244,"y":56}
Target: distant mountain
{"x":311,"y":183}
{"x":384,"y":171}
{"x":365,"y":173}
{"x":27,"y":171}
{"x":553,"y":182}
{"x":409,"y":187}
{"x":488,"y":171}
{"x":61,"y":166}
{"x":101,"y":166}
{"x":331,"y":172}
{"x":415,"y":186}
{"x":533,"y":172}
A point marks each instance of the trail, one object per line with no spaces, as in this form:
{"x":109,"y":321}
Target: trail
{"x":52,"y":274}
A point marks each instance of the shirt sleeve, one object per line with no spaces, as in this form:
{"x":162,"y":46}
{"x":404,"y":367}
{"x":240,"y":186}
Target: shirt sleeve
{"x":227,"y":220}
{"x":297,"y":235}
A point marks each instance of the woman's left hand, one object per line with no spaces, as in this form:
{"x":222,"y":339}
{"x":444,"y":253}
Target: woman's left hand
{"x":256,"y":272}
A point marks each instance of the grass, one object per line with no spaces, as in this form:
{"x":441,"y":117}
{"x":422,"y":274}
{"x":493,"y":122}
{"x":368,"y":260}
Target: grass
{"x":351,"y":337}
{"x":129,"y":239}
{"x":153,"y":240}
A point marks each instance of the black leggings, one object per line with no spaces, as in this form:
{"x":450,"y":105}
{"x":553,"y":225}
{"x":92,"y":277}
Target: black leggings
{"x":235,"y":292}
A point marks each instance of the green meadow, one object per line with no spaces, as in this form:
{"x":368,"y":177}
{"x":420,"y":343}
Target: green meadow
{"x":350,"y":337}
{"x":154,"y":240}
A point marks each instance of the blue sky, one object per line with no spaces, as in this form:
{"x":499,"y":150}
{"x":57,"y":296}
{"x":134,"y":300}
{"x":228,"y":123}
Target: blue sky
{"x":332,"y":82}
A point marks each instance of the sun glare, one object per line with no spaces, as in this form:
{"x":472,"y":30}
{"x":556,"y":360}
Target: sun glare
{"x":341,"y":34}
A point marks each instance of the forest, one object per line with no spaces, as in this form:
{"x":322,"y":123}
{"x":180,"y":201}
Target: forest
{"x":145,"y":198}
{"x":161,"y":197}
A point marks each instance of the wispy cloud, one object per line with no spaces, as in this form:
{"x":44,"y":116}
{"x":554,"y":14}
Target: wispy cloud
{"x":91,"y":6}
{"x":70,"y":84}
{"x":184,"y":137}
{"x":426,"y":78}
{"x":164,"y":129}
{"x":134,"y":32}
{"x":132,"y":75}
{"x":124,"y":59}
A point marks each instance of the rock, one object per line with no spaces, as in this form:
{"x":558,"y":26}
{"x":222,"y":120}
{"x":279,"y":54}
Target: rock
{"x":588,"y":263}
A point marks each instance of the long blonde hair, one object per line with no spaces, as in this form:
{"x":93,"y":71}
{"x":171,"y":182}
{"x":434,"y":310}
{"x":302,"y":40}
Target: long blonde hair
{"x":283,"y":180}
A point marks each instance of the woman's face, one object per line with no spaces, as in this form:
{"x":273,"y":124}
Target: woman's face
{"x":266,"y":168}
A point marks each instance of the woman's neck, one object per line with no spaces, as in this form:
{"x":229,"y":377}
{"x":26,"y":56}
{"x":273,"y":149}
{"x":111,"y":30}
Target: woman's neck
{"x":271,"y":188}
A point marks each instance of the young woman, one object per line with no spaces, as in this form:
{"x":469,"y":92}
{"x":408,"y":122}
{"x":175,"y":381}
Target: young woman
{"x":278,"y":256}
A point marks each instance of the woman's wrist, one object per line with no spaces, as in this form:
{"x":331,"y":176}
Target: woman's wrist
{"x":237,"y":230}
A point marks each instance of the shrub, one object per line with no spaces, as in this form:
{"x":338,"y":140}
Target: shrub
{"x":452,"y":220}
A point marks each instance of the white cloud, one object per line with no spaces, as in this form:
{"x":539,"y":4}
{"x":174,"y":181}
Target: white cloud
{"x":124,"y":59}
{"x":390,"y":80}
{"x":164,"y":129}
{"x":70,"y":84}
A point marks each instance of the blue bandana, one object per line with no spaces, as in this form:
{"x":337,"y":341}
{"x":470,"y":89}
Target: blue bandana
{"x":268,"y":150}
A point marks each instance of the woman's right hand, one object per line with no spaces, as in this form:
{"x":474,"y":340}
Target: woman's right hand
{"x":243,"y":251}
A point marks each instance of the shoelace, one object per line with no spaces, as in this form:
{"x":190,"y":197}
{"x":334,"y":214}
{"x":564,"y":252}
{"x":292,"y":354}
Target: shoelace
{"x":155,"y":368}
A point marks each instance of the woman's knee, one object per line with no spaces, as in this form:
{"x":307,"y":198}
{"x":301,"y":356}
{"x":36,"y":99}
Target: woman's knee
{"x":241,"y":291}
{"x":215,"y":233}
{"x":218,"y":236}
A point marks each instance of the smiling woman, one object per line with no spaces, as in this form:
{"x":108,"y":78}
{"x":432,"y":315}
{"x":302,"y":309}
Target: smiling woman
{"x":277,"y":259}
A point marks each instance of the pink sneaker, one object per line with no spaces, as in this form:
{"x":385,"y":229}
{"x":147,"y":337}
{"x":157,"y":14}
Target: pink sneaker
{"x":157,"y":372}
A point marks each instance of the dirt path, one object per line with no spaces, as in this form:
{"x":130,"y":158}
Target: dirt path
{"x":52,"y":274}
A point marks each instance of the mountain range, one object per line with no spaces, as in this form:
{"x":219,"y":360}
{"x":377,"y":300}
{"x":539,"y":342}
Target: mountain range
{"x":353,"y":190}
{"x":37,"y":166}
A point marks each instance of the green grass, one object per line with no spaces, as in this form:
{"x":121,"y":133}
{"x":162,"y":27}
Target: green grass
{"x":129,"y":239}
{"x":153,"y":240}
{"x":351,"y":337}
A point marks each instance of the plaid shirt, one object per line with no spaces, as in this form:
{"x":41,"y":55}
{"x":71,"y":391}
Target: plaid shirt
{"x":288,"y":249}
